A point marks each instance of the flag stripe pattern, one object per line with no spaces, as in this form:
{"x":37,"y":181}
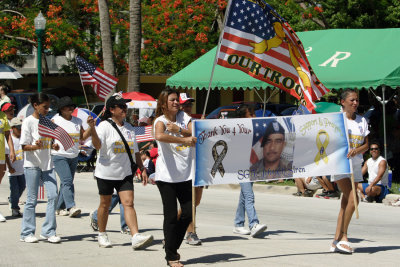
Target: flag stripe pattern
{"x":259,"y":42}
{"x":47,"y":128}
{"x":143,"y":133}
{"x":102,"y":82}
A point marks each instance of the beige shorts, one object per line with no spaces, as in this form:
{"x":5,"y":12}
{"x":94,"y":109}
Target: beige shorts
{"x":358,"y":177}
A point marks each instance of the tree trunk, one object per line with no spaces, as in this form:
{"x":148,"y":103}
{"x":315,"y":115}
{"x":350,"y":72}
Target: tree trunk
{"x":106,"y":41}
{"x":135,"y":39}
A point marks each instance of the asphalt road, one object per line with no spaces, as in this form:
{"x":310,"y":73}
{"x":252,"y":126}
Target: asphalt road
{"x":299,"y":233}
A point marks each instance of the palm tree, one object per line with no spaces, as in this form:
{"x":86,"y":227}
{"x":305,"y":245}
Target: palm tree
{"x":135,"y":38}
{"x":106,"y":42}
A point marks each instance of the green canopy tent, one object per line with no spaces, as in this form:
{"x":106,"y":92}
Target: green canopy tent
{"x":341,"y":58}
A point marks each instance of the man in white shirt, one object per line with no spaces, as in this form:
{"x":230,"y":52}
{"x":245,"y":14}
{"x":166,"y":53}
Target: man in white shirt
{"x":377,"y":168}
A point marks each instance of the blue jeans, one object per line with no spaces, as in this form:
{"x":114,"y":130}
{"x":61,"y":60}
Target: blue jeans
{"x":17,"y":187}
{"x":246,"y":204}
{"x":65,"y":168}
{"x":114,"y":202}
{"x":33,"y":175}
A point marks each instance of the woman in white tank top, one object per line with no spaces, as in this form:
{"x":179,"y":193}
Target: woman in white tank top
{"x":173,"y":132}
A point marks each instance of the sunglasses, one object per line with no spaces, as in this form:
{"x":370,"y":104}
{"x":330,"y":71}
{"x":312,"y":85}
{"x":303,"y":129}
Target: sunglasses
{"x":374,"y":148}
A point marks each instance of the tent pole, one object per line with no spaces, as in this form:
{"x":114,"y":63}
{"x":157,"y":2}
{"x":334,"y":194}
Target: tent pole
{"x":265,"y":96}
{"x":384,"y":120}
{"x":216,"y":58}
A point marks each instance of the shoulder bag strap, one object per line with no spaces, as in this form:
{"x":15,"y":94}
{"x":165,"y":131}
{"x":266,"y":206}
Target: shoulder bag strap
{"x":127,"y":148}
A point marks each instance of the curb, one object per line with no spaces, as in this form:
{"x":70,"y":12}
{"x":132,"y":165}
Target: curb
{"x":277,"y":189}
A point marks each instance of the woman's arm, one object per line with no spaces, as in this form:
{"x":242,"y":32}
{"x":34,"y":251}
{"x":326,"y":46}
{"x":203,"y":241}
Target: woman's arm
{"x":173,"y":128}
{"x":359,"y":150}
{"x":95,"y":138}
{"x":161,"y":136}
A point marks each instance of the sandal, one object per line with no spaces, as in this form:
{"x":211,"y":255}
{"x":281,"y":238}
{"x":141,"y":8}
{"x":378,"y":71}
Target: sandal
{"x":333,"y":246}
{"x":341,"y":249}
{"x":176,"y":263}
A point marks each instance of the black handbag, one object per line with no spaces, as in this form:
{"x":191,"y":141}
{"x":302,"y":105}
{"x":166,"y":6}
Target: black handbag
{"x":134,"y":166}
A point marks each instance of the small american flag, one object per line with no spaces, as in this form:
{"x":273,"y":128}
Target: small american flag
{"x":102,"y":82}
{"x":40,"y":195}
{"x":259,"y":42}
{"x":49,"y":129}
{"x":143,"y":133}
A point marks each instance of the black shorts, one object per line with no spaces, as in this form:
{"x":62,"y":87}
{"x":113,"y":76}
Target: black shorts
{"x":106,"y":187}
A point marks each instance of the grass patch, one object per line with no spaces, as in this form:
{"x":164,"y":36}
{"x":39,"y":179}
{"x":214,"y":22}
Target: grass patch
{"x":395,"y":189}
{"x":286,"y":182}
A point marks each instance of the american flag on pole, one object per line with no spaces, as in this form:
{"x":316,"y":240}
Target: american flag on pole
{"x":259,"y":42}
{"x":143,"y":133}
{"x":49,"y":129}
{"x":102,"y":82}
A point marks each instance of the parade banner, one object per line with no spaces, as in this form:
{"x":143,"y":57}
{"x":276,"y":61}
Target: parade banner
{"x":232,"y":151}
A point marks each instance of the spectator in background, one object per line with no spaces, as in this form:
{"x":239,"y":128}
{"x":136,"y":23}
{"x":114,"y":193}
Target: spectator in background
{"x":147,"y":162}
{"x":8,"y":109}
{"x":4,"y":90}
{"x":330,"y":190}
{"x":306,"y":186}
{"x":376,"y":166}
{"x":16,"y":169}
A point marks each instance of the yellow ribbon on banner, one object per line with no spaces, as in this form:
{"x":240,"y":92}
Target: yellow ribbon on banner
{"x":321,"y":155}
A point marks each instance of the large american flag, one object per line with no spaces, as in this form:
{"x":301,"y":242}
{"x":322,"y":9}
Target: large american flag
{"x":259,"y":42}
{"x":143,"y":133}
{"x":47,"y":128}
{"x":102,"y":82}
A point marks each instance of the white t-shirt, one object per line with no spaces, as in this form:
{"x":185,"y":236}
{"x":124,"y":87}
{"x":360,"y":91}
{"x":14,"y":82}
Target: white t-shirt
{"x":358,"y":130}
{"x":174,"y":162}
{"x":73,"y":128}
{"x":373,"y":167}
{"x":113,"y":161}
{"x":18,"y":164}
{"x":29,"y":134}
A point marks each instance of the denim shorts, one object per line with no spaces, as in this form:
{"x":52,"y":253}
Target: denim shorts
{"x":106,"y":187}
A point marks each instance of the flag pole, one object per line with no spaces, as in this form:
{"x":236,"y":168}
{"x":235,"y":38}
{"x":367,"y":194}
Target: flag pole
{"x":216,"y":56}
{"x":83,"y":87}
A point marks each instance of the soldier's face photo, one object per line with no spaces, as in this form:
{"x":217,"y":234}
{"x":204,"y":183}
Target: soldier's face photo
{"x":273,"y":147}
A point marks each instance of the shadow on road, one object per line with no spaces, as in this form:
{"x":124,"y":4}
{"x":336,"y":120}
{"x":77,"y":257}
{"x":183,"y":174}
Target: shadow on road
{"x":238,"y":257}
{"x":372,"y":250}
{"x":214,"y":258}
{"x":88,"y":237}
{"x":223,"y":238}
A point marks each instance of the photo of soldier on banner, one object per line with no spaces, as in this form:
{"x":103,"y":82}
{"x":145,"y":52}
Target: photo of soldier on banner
{"x":272,"y":149}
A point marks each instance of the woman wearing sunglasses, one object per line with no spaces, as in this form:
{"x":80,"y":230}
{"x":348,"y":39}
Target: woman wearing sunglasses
{"x":114,"y":168}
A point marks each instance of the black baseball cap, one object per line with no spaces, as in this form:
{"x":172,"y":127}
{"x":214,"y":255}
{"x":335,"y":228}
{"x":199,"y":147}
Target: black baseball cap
{"x":116,"y":99}
{"x":65,"y":101}
{"x":273,"y":127}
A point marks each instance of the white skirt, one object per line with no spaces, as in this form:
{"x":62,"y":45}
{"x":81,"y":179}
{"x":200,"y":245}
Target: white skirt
{"x":358,"y":177}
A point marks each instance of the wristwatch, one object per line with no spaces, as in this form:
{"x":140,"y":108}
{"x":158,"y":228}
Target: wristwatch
{"x":180,"y":130}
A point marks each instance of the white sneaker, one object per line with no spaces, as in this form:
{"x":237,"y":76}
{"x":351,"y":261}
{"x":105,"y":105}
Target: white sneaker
{"x":257,"y":229}
{"x":103,"y":240}
{"x":140,"y":241}
{"x":241,"y":230}
{"x":63,"y":212}
{"x":74,"y":212}
{"x":29,"y":239}
{"x":52,"y":239}
{"x":2,"y":219}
